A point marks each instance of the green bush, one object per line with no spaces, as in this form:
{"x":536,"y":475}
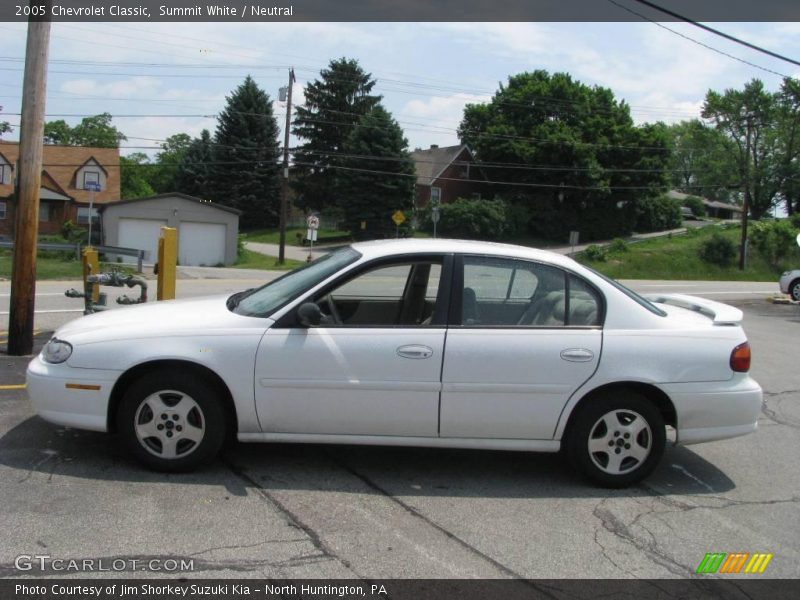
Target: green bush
{"x":618,"y":246}
{"x":697,"y":206}
{"x":773,"y":240}
{"x":471,"y":219}
{"x":718,"y":250}
{"x":795,"y":220}
{"x":657,"y":214}
{"x":595,"y":253}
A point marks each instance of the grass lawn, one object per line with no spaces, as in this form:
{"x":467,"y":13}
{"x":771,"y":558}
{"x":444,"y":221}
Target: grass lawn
{"x":255,"y":260}
{"x":678,"y":258}
{"x":48,"y":267}
{"x":272,"y":236}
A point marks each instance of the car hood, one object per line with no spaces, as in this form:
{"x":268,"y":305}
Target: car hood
{"x":172,"y":317}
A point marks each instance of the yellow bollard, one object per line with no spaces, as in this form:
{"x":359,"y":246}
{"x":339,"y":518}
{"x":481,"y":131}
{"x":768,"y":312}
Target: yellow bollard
{"x":91,"y":266}
{"x":167,"y":261}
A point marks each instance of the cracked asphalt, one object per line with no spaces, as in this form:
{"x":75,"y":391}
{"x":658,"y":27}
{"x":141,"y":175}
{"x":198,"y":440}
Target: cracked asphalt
{"x":297,"y":511}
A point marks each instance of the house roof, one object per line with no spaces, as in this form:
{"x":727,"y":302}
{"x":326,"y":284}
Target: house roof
{"x":676,"y":195}
{"x":208,"y":203}
{"x":63,"y":162}
{"x":432,"y":162}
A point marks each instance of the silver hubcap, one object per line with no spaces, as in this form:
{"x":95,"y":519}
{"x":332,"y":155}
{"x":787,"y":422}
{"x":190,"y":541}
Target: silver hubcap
{"x":620,"y":441}
{"x":169,"y":424}
{"x":796,"y":292}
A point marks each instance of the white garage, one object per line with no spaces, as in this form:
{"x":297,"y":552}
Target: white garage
{"x":201,"y":244}
{"x":207,"y":232}
{"x":141,"y":234}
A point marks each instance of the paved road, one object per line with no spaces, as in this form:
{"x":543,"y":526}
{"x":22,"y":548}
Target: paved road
{"x":311,"y":510}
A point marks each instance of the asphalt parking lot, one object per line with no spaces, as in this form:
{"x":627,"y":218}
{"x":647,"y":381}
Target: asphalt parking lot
{"x":298,"y":511}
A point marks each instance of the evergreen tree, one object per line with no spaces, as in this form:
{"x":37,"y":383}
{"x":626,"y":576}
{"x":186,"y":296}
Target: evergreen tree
{"x":245,"y":174}
{"x":333,"y":105}
{"x":194,"y":173}
{"x":373,"y":197}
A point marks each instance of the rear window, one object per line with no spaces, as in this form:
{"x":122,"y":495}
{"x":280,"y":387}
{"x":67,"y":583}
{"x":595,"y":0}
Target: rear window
{"x":644,"y":302}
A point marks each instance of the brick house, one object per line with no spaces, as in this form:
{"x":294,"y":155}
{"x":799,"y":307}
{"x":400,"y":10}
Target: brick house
{"x":445,"y":174}
{"x":66,"y":171}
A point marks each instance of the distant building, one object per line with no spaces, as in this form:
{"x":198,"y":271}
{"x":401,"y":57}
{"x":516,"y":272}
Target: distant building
{"x":66,"y":173}
{"x":446,"y":174}
{"x":714,"y":208}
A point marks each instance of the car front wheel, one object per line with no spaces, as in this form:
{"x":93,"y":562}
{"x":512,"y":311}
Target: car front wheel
{"x":794,"y":290}
{"x":171,"y":422}
{"x":617,"y":439}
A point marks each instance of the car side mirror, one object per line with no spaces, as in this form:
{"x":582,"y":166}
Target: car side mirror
{"x":309,"y":314}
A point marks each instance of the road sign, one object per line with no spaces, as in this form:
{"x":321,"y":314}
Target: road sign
{"x":435,"y":214}
{"x":574,"y":236}
{"x":398,"y":217}
{"x":92,"y":186}
{"x":313,"y":222}
{"x":311,"y":235}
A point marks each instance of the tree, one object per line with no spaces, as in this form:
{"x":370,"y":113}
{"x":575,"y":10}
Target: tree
{"x":5,"y":127}
{"x":747,"y":118}
{"x":372,"y":197}
{"x":245,"y":174}
{"x":702,"y":161}
{"x":582,"y":143}
{"x":164,"y":177}
{"x":96,"y":131}
{"x":134,"y":177}
{"x":334,"y":104}
{"x":194,"y":173}
{"x":788,"y":150}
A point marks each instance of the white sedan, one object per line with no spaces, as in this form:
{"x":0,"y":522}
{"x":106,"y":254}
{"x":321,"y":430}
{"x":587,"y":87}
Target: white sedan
{"x":436,"y":343}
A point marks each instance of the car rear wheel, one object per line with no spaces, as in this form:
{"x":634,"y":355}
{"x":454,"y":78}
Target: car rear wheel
{"x":171,"y":421}
{"x":794,"y":290}
{"x":617,"y":439}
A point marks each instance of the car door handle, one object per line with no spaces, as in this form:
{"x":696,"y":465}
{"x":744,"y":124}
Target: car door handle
{"x":415,"y":351}
{"x":577,"y":354}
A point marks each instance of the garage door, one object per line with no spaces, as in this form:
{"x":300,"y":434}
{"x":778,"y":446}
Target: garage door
{"x":201,"y":243}
{"x":141,"y":234}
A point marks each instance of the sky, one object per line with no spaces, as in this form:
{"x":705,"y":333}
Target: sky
{"x":179,"y":73}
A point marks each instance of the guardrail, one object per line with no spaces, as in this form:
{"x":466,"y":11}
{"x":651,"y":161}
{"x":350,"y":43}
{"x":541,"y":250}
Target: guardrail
{"x":77,"y":247}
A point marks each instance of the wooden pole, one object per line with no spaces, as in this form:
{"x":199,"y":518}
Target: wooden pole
{"x":285,"y":181}
{"x":746,"y":203}
{"x":23,"y":275}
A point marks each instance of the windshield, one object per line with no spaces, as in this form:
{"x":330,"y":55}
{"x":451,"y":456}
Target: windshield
{"x":267,"y":299}
{"x":631,"y":294}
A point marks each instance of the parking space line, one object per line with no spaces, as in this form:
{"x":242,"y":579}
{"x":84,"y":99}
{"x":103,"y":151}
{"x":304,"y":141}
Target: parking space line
{"x":16,"y":386}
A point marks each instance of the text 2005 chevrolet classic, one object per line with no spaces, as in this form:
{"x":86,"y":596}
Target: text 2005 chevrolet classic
{"x":437,"y":343}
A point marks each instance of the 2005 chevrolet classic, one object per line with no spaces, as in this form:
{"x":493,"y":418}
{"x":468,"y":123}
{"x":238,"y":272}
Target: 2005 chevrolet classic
{"x":437,"y":343}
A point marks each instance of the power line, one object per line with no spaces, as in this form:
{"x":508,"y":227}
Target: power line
{"x":720,"y":33}
{"x":695,"y":41}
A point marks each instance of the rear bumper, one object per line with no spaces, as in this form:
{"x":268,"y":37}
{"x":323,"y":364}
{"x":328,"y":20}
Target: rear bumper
{"x":715,"y":411}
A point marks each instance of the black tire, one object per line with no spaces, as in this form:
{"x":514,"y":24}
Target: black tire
{"x":794,"y":290}
{"x":630,"y":459}
{"x":195,"y":422}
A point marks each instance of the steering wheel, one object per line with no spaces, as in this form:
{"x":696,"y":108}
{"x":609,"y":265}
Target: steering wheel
{"x":333,"y":310}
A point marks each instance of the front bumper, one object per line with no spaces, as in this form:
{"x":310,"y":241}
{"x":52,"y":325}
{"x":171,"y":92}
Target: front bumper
{"x":716,"y":411}
{"x":70,"y":396}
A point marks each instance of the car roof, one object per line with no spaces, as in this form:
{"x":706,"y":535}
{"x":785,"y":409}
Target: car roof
{"x":382,"y":248}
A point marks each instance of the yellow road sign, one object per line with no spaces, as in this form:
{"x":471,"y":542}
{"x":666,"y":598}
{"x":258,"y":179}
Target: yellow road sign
{"x":398,"y":217}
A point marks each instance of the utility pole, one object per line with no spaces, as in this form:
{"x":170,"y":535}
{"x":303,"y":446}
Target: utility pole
{"x":29,"y":179}
{"x":746,"y":204}
{"x":285,"y":185}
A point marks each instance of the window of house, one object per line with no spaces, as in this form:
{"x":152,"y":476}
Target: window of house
{"x":436,"y":195}
{"x":90,"y":177}
{"x":44,"y":211}
{"x":83,"y":216}
{"x":3,"y":173}
{"x":476,"y":195}
{"x":2,"y":210}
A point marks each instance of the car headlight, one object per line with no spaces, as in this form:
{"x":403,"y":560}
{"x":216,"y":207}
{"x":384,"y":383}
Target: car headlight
{"x":56,"y":351}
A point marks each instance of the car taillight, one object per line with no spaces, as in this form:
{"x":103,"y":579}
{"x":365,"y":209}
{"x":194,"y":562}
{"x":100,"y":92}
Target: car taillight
{"x":740,"y":358}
